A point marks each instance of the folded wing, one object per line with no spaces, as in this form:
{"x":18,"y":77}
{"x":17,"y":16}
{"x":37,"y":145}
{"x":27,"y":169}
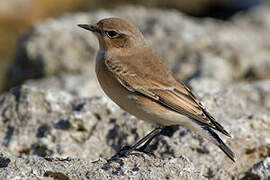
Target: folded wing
{"x":160,"y":86}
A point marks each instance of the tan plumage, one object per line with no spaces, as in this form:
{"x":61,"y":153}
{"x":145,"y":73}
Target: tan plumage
{"x":160,"y":86}
{"x":135,"y":77}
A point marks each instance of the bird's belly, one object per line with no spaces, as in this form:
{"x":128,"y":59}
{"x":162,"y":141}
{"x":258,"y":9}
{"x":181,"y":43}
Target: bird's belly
{"x":137,"y":105}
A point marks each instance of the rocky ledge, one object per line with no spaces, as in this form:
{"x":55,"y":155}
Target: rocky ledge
{"x":56,"y":123}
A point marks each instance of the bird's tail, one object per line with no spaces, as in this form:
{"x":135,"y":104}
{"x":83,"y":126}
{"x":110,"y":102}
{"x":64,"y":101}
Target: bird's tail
{"x":214,"y":138}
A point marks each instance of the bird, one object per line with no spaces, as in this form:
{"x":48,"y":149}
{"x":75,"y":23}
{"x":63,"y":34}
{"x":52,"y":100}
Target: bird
{"x":137,"y":79}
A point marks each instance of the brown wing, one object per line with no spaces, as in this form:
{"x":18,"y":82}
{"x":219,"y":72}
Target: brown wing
{"x":160,"y":86}
{"x":181,"y":100}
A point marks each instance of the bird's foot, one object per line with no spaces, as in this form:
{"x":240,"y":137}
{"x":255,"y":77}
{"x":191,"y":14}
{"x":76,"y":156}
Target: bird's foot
{"x":126,"y":150}
{"x":143,"y":150}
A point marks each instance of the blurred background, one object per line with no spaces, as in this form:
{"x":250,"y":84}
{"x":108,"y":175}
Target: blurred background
{"x":18,"y":16}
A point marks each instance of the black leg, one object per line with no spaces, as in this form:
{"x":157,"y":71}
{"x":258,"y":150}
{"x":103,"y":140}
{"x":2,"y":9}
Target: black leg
{"x":167,"y":131}
{"x":142,"y":148}
{"x":148,"y":138}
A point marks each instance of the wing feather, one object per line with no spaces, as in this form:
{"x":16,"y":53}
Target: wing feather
{"x":160,"y":86}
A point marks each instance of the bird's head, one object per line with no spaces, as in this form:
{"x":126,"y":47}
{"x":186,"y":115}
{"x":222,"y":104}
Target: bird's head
{"x":115,"y":34}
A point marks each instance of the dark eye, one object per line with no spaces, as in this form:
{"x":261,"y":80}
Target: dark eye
{"x":112,"y":34}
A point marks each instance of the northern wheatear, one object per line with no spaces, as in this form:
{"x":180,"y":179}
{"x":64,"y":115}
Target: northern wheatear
{"x":135,"y":77}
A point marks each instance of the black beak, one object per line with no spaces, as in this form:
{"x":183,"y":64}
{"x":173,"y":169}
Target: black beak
{"x":88,"y":27}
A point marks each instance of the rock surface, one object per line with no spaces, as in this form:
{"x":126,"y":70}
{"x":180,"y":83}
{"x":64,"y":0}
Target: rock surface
{"x":192,"y":47}
{"x":259,"y":170}
{"x":78,"y":85}
{"x":136,"y":167}
{"x":56,"y":123}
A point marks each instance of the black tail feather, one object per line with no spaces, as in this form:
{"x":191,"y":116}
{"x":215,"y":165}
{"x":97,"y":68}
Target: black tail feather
{"x":220,"y":144}
{"x":220,"y":128}
{"x":217,"y":126}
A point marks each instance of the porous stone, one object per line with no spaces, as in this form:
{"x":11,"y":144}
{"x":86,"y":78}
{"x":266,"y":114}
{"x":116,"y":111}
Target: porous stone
{"x":260,"y":170}
{"x":135,"y":167}
{"x":58,"y":123}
